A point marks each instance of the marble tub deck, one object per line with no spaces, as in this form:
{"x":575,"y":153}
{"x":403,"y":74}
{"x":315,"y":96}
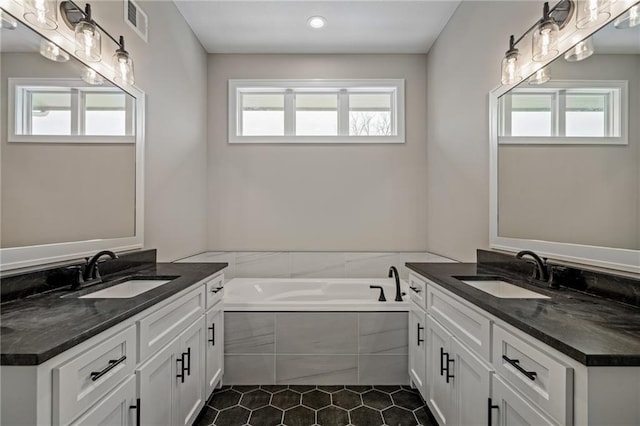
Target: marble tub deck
{"x":307,"y":405}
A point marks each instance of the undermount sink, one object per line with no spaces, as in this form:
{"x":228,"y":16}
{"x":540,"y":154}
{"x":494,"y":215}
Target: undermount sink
{"x":126,"y":289}
{"x":499,"y":288}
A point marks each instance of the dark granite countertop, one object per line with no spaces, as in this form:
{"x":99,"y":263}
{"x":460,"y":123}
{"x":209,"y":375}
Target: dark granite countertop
{"x":592,"y":330}
{"x":37,"y":328}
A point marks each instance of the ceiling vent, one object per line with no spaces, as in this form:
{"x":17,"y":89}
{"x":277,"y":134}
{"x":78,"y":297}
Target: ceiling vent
{"x":136,"y":18}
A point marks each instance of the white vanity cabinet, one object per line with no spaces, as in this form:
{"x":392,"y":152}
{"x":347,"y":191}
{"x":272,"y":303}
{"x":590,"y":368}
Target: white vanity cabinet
{"x":417,"y":348}
{"x":155,"y":368}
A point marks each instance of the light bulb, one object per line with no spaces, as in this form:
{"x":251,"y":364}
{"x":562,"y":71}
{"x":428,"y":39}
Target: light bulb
{"x":545,"y":37}
{"x":510,"y":66}
{"x":629,"y":19}
{"x":123,"y":65}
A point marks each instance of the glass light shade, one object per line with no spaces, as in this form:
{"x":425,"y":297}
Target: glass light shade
{"x":90,"y":76}
{"x":545,"y":41}
{"x":540,"y":77}
{"x":7,"y":21}
{"x":41,"y":13}
{"x":592,"y":13}
{"x":51,"y":51}
{"x":580,"y":51}
{"x":511,"y":68}
{"x":629,"y":19}
{"x":88,"y":41}
{"x":123,"y":67}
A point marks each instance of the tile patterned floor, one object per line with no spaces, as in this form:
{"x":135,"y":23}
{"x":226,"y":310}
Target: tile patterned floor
{"x":297,"y":405}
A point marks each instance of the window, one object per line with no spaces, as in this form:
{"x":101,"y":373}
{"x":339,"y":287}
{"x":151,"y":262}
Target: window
{"x":66,"y":110}
{"x":316,"y":111}
{"x":565,"y":112}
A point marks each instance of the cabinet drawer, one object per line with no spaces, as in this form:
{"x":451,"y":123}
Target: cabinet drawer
{"x":85,"y":379}
{"x":465,"y":323}
{"x":160,"y":327}
{"x":116,"y":409}
{"x":417,"y":290}
{"x":542,"y":379}
{"x":506,"y":407}
{"x":215,"y":290}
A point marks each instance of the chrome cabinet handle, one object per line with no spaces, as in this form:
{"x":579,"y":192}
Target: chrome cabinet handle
{"x":531,"y":375}
{"x":95,"y":375}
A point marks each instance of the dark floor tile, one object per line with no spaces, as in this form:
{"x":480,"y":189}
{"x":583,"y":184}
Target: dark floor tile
{"x":408,"y":400}
{"x":331,"y":389}
{"x":206,"y":417}
{"x":365,"y":416}
{"x":245,"y":388}
{"x":333,"y":416}
{"x":359,"y":389}
{"x":396,"y":416}
{"x":424,"y":417}
{"x":377,"y":399}
{"x":273,"y":388}
{"x":388,"y":389}
{"x":233,"y":416}
{"x":266,"y":416}
{"x":299,"y":416}
{"x":225,"y":399}
{"x":346,"y":399}
{"x":255,"y":399}
{"x":285,"y":399}
{"x":316,"y":399}
{"x":301,"y":388}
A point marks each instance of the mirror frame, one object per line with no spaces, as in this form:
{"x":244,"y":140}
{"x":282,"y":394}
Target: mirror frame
{"x":607,"y":257}
{"x":20,"y":257}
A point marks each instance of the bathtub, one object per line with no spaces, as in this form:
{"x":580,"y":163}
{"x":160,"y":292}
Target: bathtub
{"x":293,"y":294}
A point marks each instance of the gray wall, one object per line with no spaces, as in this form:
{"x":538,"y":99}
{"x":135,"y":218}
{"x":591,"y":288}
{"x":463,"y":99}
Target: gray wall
{"x":581,"y":194}
{"x":462,"y":67}
{"x":356,"y":197}
{"x":171,"y":69}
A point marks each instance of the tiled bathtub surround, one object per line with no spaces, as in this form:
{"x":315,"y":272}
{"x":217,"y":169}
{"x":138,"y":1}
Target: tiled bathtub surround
{"x":316,"y":348}
{"x":314,"y":264}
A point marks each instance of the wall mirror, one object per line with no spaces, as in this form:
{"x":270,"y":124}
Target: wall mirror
{"x":566,"y":154}
{"x":71,"y":153}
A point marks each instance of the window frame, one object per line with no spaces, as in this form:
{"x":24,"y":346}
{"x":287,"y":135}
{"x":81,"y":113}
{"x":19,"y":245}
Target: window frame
{"x":291,"y":87}
{"x":617,"y":112}
{"x":19,"y":117}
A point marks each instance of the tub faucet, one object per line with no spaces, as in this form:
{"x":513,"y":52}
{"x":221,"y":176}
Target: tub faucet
{"x":394,"y":272}
{"x":540,"y":271}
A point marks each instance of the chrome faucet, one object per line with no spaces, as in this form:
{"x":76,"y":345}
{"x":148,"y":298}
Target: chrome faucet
{"x":91,"y":271}
{"x":540,"y":271}
{"x":394,"y":272}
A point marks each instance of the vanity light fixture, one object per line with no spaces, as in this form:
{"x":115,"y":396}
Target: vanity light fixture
{"x":510,"y":66}
{"x":540,"y":77}
{"x":123,"y":64}
{"x":52,"y":52}
{"x":580,"y":51}
{"x":90,"y":76}
{"x":316,"y":22}
{"x":7,"y":21}
{"x":592,"y":13}
{"x":41,"y":13}
{"x":545,"y":37}
{"x":629,"y":19}
{"x":88,"y":38}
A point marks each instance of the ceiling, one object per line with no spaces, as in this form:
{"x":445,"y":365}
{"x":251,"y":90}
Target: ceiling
{"x":240,"y":26}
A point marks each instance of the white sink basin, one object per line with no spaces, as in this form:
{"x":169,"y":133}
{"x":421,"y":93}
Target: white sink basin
{"x":504,"y":290}
{"x":125,"y":290}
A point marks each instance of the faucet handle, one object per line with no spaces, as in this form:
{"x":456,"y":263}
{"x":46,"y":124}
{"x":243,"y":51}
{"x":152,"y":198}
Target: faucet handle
{"x":78,"y":275}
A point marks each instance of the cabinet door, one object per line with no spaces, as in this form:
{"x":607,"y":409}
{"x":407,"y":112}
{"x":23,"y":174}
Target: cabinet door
{"x":512,"y":409}
{"x":471,"y":386}
{"x":190,"y":396}
{"x":438,"y":387}
{"x":214,"y":343}
{"x":417,"y":350}
{"x":117,"y":408}
{"x":157,"y":386}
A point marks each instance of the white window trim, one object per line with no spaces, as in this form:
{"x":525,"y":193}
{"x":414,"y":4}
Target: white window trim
{"x":623,"y":103}
{"x":41,"y":84}
{"x":367,"y":86}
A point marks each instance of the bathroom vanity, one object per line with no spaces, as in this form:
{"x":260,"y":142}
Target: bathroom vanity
{"x":562,"y":357}
{"x":153,"y":358}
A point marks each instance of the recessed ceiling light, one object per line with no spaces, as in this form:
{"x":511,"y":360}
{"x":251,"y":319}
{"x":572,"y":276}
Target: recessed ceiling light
{"x":316,"y":22}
